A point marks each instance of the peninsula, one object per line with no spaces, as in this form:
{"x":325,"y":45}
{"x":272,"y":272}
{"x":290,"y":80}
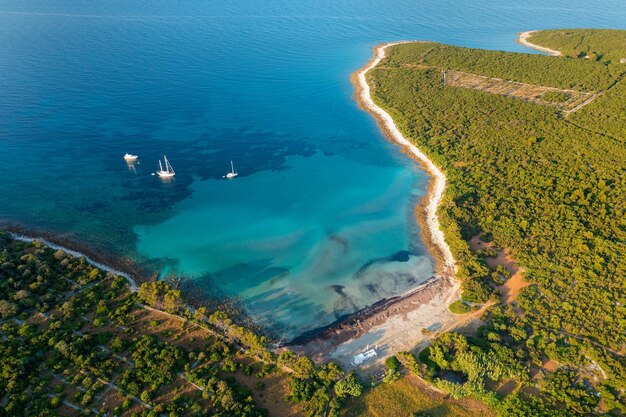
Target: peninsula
{"x":533,"y":149}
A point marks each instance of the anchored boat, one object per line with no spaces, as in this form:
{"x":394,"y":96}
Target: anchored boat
{"x":232,"y":173}
{"x":130,"y":157}
{"x":168,"y":172}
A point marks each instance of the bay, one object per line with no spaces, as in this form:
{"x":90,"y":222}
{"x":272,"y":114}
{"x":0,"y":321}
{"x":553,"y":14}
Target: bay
{"x":320,"y":221}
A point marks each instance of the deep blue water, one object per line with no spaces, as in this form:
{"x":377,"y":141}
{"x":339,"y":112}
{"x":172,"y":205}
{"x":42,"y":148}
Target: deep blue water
{"x":319,"y":222}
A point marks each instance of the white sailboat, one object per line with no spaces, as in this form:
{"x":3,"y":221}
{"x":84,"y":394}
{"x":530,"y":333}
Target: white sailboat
{"x":232,"y":173}
{"x":130,"y":157}
{"x":168,"y":172}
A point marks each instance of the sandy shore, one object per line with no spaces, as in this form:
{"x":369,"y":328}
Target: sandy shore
{"x":522,"y":38}
{"x":132,"y":282}
{"x":394,"y":328}
{"x":397,"y":325}
{"x":430,"y":223}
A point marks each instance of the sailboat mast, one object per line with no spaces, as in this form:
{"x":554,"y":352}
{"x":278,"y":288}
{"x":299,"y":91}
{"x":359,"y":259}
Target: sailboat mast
{"x":160,"y":166}
{"x":168,"y":166}
{"x":232,"y":167}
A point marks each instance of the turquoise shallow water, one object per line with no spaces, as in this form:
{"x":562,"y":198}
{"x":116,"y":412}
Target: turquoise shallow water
{"x":319,"y":222}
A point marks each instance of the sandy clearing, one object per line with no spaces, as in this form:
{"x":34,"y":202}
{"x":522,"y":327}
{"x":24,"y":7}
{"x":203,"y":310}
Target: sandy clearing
{"x":403,"y":331}
{"x":512,"y":287}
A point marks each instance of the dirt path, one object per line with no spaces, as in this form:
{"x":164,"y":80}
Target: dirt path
{"x":509,"y":88}
{"x":464,"y":319}
{"x":593,"y":342}
{"x":528,"y":92}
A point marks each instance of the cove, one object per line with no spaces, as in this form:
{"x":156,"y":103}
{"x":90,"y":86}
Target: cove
{"x":320,"y":221}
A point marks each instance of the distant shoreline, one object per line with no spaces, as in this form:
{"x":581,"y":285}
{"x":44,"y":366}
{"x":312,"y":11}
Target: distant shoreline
{"x":522,"y":39}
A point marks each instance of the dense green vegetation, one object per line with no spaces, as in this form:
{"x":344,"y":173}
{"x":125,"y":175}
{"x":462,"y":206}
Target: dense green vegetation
{"x":606,"y":115}
{"x":583,"y":75}
{"x":606,"y":45}
{"x":549,"y":187}
{"x":556,"y":96}
{"x":74,"y":340}
{"x":319,"y":390}
{"x":82,"y":348}
{"x":31,"y":282}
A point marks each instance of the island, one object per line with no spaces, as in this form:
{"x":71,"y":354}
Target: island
{"x":526,"y":221}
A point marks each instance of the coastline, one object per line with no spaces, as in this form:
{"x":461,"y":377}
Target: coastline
{"x":355,"y":324}
{"x":394,"y":324}
{"x":134,"y":275}
{"x":522,"y":39}
{"x":347,"y":328}
{"x":132,"y":281}
{"x":350,"y":328}
{"x":426,"y":210}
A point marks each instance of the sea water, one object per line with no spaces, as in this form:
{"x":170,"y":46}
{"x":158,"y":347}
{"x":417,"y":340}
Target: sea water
{"x":320,"y":221}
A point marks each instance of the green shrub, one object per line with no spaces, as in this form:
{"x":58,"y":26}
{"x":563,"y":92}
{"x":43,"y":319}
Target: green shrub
{"x":459,"y":307}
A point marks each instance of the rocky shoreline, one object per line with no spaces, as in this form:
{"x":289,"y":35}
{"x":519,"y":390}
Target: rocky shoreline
{"x":358,"y":323}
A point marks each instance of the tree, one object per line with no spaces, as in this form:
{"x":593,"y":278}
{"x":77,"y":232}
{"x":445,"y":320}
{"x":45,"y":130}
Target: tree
{"x":172,"y":301}
{"x":303,"y":367}
{"x":348,"y":386}
{"x":7,"y":309}
{"x":148,"y":293}
{"x":330,"y":373}
{"x":392,"y":363}
{"x":55,"y":402}
{"x":200,"y":313}
{"x":145,"y":397}
{"x":286,"y":358}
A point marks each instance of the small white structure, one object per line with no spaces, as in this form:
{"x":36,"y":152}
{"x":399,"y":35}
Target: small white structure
{"x":363,"y":357}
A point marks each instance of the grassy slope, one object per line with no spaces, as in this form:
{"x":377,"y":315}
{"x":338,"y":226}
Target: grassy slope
{"x":407,"y":396}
